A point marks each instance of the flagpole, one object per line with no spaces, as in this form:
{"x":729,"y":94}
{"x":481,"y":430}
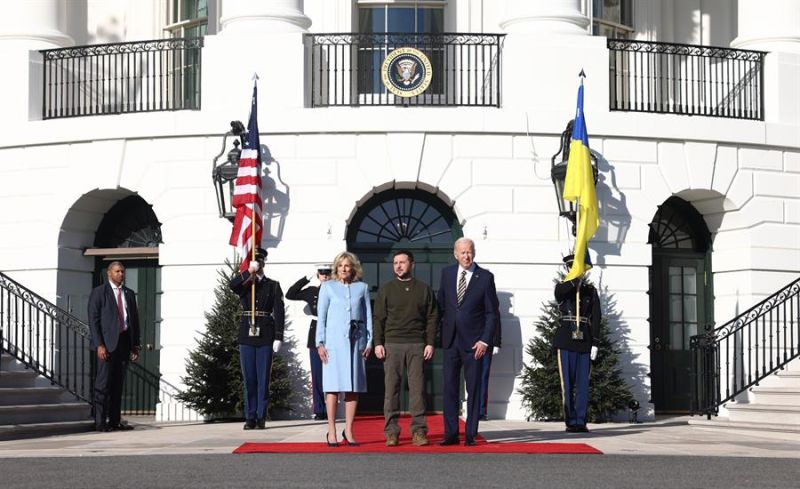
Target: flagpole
{"x":253,"y":329}
{"x":253,"y":282}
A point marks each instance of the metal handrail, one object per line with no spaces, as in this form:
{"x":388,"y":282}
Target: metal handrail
{"x":56,"y":345}
{"x":736,"y":356}
{"x":661,"y":77}
{"x":124,"y":77}
{"x":346,"y":68}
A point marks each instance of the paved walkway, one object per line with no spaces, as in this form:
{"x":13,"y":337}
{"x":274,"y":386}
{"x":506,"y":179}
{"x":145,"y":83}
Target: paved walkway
{"x":673,"y":436}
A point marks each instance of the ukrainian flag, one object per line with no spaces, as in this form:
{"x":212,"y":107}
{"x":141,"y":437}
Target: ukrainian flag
{"x":579,"y":188}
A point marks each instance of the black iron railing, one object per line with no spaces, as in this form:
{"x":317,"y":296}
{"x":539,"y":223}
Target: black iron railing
{"x":124,"y":77}
{"x":46,"y":339}
{"x":738,"y":355}
{"x":686,"y":79}
{"x":347,"y":69}
{"x":56,"y":345}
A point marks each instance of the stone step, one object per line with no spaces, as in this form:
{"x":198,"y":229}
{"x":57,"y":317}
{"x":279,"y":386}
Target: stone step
{"x":784,"y":396}
{"x":764,"y":413}
{"x":726,"y":423}
{"x":35,"y":430}
{"x":44,"y":413}
{"x":17,"y":378}
{"x":10,"y":396}
{"x":783,"y":378}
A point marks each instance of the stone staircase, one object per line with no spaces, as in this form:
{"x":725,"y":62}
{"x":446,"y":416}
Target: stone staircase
{"x":773,"y":405}
{"x":31,"y":405}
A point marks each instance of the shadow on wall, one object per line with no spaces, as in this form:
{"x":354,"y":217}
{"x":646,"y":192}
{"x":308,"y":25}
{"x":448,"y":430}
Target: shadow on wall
{"x":501,"y":386}
{"x":276,"y":200}
{"x":632,"y":370}
{"x":613,"y":207}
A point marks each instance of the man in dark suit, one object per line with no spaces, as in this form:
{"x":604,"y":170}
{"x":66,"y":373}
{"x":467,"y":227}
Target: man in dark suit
{"x":468,"y":306}
{"x":309,"y":294}
{"x":114,"y":324}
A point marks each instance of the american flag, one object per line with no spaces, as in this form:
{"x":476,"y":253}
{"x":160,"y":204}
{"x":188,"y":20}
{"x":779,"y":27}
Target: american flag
{"x":247,"y":198}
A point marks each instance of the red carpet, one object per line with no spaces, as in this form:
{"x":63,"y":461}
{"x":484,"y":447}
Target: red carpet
{"x":368,"y":430}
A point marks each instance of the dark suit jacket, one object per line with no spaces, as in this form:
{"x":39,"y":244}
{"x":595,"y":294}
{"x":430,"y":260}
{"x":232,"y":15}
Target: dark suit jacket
{"x":104,"y":321}
{"x":269,"y":301}
{"x":476,"y":318}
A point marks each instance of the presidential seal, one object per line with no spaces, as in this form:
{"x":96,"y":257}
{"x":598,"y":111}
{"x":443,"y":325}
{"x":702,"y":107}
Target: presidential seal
{"x":407,"y":72}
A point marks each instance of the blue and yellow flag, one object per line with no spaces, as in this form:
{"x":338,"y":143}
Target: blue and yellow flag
{"x":579,"y":188}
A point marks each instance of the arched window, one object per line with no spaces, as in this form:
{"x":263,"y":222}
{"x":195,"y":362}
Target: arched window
{"x":403,"y":216}
{"x":678,"y":225}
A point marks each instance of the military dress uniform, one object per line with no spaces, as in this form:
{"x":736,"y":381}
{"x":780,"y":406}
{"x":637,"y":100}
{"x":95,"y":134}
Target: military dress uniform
{"x":255,"y":352}
{"x":574,"y":361}
{"x":310,"y":295}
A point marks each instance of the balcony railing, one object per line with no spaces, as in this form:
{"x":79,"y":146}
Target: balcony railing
{"x":685,"y":79}
{"x":121,"y":78}
{"x":351,"y":69}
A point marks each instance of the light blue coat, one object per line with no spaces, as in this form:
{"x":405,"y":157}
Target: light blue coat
{"x":338,"y":303}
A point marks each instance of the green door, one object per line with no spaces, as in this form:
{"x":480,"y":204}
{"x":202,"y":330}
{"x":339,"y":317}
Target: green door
{"x":421,"y":223}
{"x":681,"y":299}
{"x":141,"y":385}
{"x":680,"y":313}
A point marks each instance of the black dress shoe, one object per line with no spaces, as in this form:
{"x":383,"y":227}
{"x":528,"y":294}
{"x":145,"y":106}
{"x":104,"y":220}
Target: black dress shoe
{"x":571,"y":428}
{"x":122,"y":427}
{"x":449,"y":440}
{"x":581,"y":428}
{"x":320,"y":417}
{"x":249,"y":425}
{"x":328,"y":441}
{"x":102,"y":428}
{"x":261,"y":424}
{"x":469,"y":442}
{"x":484,"y":418}
{"x":348,"y":442}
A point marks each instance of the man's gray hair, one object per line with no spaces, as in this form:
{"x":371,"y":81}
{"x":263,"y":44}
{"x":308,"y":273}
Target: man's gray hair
{"x":464,"y":240}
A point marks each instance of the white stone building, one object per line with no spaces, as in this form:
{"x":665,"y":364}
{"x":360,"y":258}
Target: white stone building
{"x":704,"y":143}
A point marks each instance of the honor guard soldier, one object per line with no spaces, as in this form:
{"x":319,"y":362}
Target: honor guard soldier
{"x":576,"y":342}
{"x":260,"y":336}
{"x":309,"y":294}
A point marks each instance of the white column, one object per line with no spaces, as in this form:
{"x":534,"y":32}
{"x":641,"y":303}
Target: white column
{"x":769,"y":26}
{"x":545,"y":17}
{"x":774,"y":27}
{"x":33,"y":24}
{"x":263,"y":17}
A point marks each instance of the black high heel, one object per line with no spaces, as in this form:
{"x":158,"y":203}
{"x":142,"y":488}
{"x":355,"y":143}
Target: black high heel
{"x":348,"y":442}
{"x":328,"y":441}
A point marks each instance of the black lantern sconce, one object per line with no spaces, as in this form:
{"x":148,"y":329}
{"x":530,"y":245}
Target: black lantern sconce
{"x":558,"y":173}
{"x":224,"y":175}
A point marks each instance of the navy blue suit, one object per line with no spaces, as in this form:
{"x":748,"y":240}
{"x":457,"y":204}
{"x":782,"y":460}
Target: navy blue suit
{"x":104,"y":326}
{"x":462,"y":326}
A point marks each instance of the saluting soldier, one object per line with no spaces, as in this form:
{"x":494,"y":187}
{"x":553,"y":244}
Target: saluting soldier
{"x":258,"y":341}
{"x":576,"y":342}
{"x":301,"y":291}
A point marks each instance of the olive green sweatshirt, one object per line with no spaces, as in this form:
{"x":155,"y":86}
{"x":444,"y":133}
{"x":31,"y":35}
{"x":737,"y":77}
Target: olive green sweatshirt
{"x":405,"y":312}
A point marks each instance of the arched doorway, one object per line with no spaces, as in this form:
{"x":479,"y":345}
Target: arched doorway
{"x":130,"y":232}
{"x":410,"y":219}
{"x":681,"y":299}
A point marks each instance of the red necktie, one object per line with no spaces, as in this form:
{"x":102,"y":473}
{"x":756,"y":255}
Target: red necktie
{"x":120,"y":310}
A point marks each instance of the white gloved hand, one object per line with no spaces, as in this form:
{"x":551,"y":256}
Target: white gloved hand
{"x":276,"y":345}
{"x":495,"y":350}
{"x":254,"y":266}
{"x":593,"y":354}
